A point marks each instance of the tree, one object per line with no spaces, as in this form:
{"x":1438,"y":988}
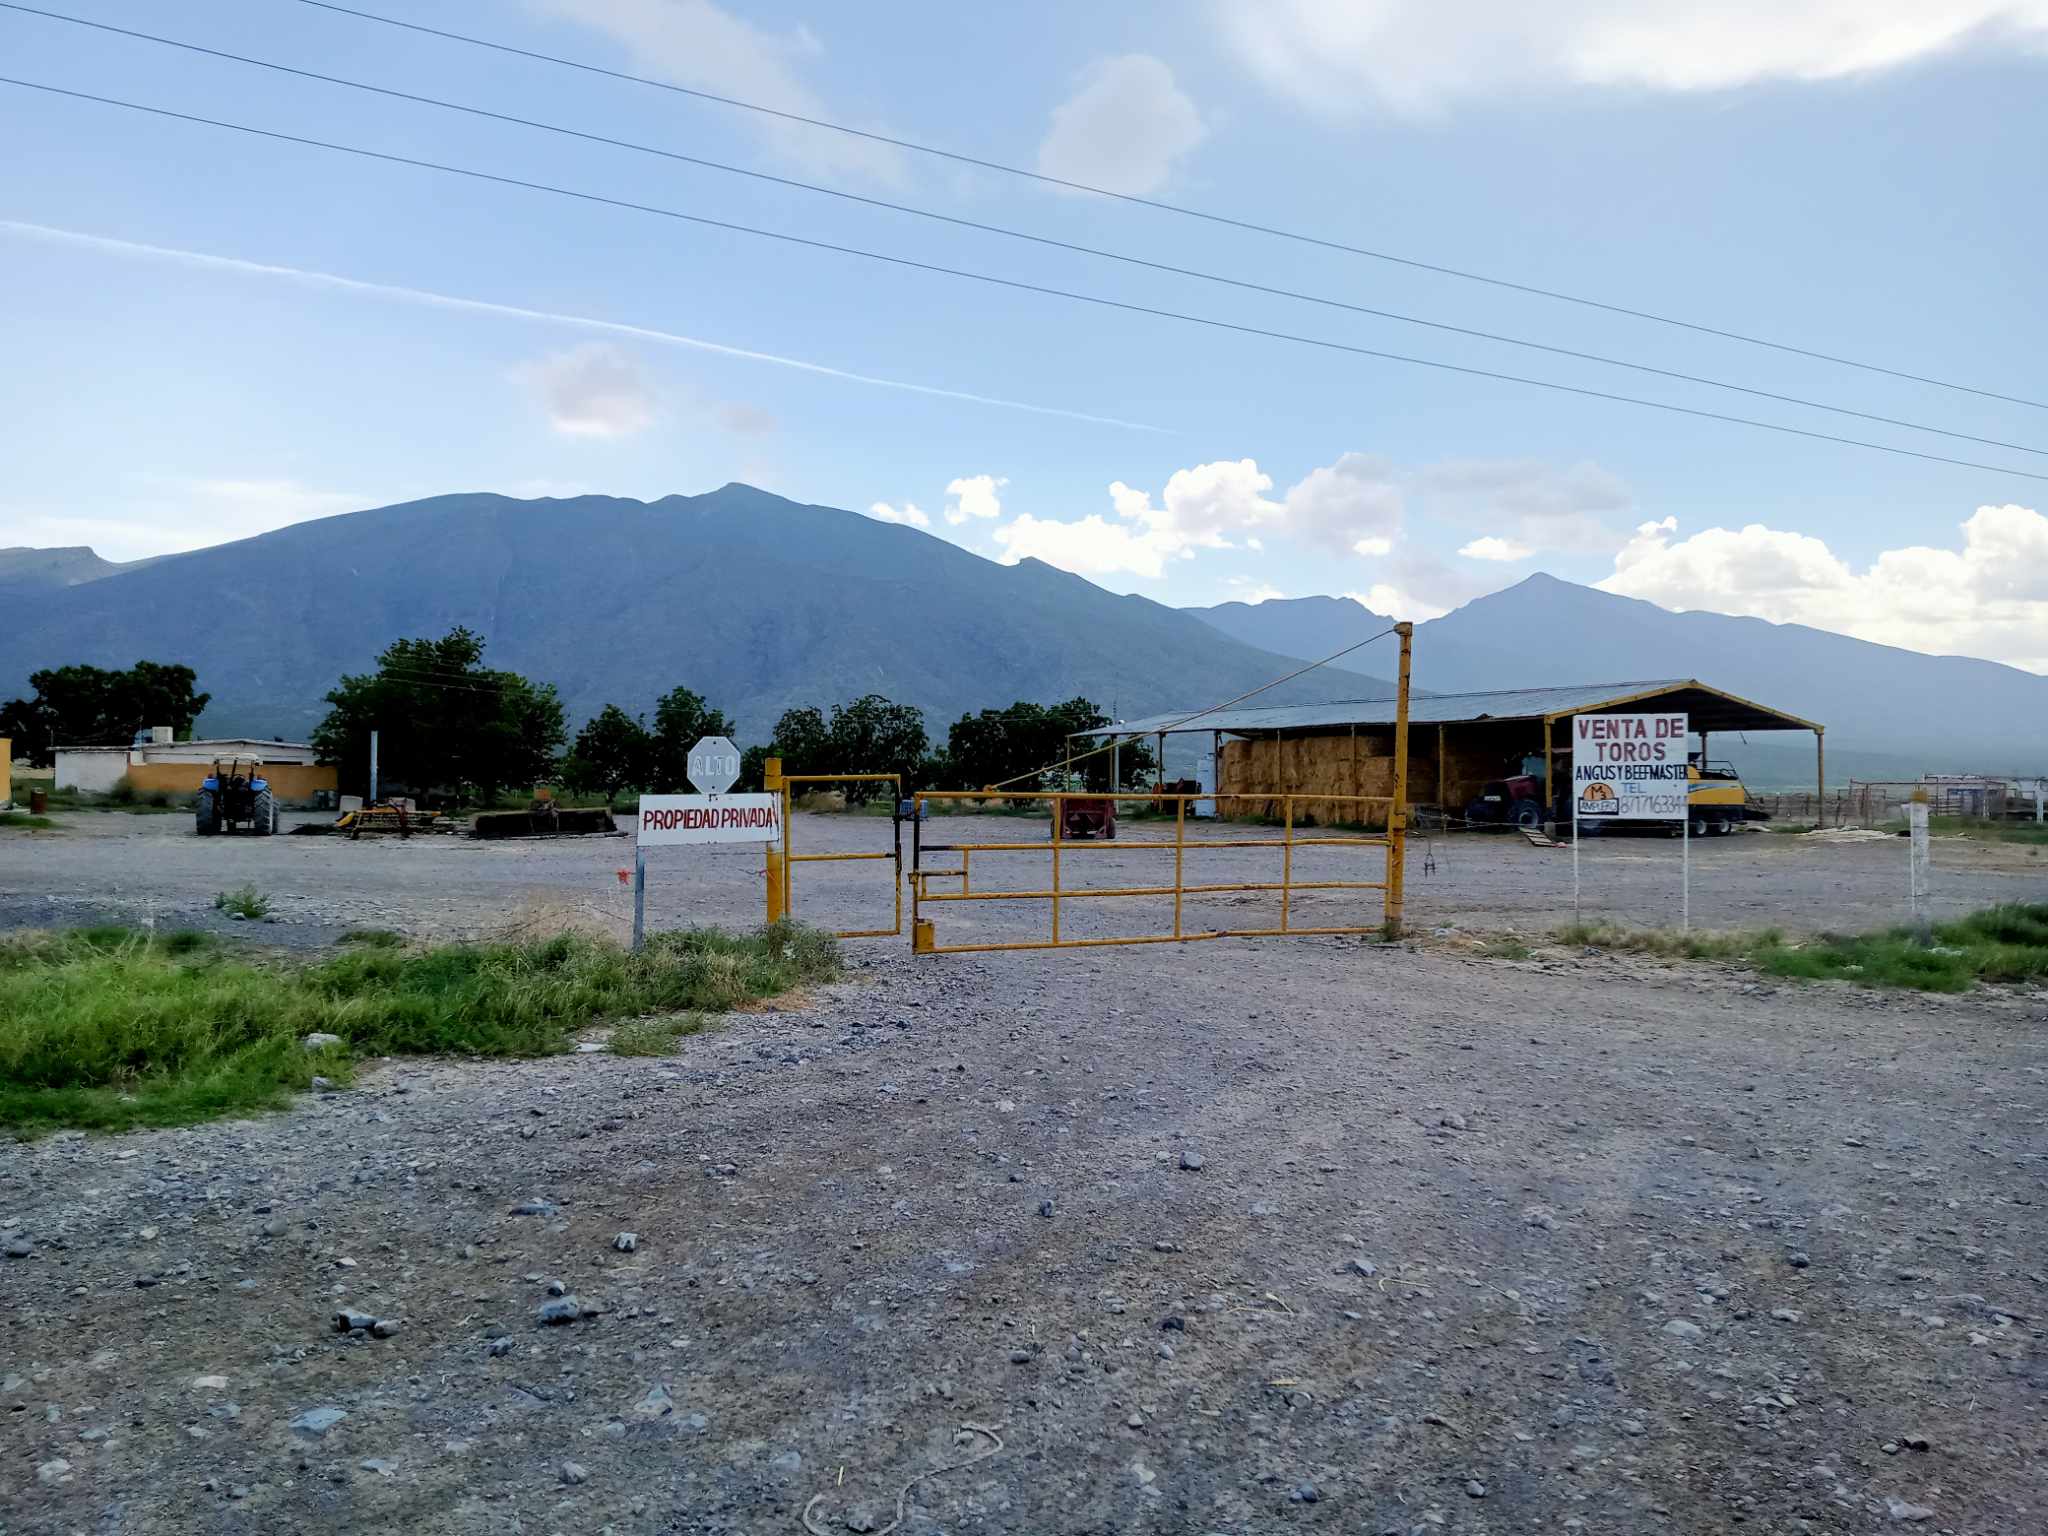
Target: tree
{"x":872,"y":735}
{"x":998,"y":745}
{"x":611,"y":752}
{"x":681,"y":719}
{"x":446,"y":722}
{"x":97,"y":707}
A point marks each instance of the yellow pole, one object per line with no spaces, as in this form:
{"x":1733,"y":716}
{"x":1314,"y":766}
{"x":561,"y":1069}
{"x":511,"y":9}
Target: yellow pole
{"x":1180,"y":843}
{"x":1286,"y":857}
{"x":778,"y":894}
{"x":1397,"y":813}
{"x":1059,"y":816}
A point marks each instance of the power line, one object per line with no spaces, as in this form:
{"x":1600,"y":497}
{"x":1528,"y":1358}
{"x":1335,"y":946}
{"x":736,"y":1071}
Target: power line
{"x":1025,"y":235}
{"x":1018,"y":285}
{"x":1181,"y":210}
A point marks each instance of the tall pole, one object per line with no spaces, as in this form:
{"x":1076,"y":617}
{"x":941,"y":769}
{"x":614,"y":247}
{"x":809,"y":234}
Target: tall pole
{"x":1397,"y":813}
{"x":373,"y":767}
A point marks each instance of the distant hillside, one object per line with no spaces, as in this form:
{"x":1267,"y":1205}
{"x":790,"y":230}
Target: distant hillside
{"x":1889,"y":712}
{"x":757,"y":602}
{"x":23,"y":568}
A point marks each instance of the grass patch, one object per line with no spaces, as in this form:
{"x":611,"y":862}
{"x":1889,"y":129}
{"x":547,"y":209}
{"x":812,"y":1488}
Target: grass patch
{"x":373,"y":938}
{"x":243,"y":901}
{"x":2007,"y":943}
{"x":110,"y":1028}
{"x":1504,"y":949}
{"x":22,"y":821}
{"x":2026,"y":833}
{"x":656,"y":1036}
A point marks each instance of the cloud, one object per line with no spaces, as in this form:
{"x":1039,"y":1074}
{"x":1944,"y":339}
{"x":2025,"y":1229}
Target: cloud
{"x":1123,"y":129}
{"x":1988,"y":598}
{"x":1247,"y":590}
{"x":974,"y":496}
{"x":460,"y":304}
{"x":163,"y":515}
{"x":1530,"y":502}
{"x":1415,"y":57}
{"x":1354,"y":504}
{"x":746,"y":420}
{"x":908,"y":514}
{"x":1391,"y":602}
{"x":1495,"y":549}
{"x":595,"y":390}
{"x":696,"y":44}
{"x":1092,"y":546}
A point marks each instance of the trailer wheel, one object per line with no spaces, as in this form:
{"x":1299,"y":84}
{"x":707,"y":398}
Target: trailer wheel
{"x":205,"y":822}
{"x":1528,"y":813}
{"x":1701,"y":826}
{"x":263,"y":817}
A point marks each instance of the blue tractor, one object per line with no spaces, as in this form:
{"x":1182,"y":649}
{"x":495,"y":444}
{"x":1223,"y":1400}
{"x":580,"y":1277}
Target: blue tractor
{"x":235,"y":798}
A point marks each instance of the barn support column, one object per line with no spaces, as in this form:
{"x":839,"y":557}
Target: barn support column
{"x":1820,"y":777}
{"x":1443,"y":809}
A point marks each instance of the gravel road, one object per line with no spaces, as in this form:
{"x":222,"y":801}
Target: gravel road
{"x":1249,"y":1236}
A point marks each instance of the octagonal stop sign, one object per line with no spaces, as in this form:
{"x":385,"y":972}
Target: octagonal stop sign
{"x":714,"y":765}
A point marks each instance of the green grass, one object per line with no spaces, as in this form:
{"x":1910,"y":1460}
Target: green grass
{"x":2007,"y":943}
{"x":156,"y":803}
{"x":373,"y":938}
{"x":109,"y":1028}
{"x":1504,"y":949}
{"x":22,"y":821}
{"x":2024,"y":832}
{"x":243,"y":901}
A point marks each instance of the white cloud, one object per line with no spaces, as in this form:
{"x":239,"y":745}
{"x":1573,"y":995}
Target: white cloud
{"x":745,"y":420}
{"x":1123,"y":129}
{"x":595,"y":390}
{"x":1414,"y":56}
{"x":974,"y":496}
{"x":1092,"y":546}
{"x":1393,"y":603}
{"x":1247,"y":589}
{"x":1495,"y":549}
{"x":696,"y":44}
{"x":908,"y":514}
{"x":165,"y":515}
{"x":1531,"y":502}
{"x":1989,"y":598}
{"x":1354,"y":504}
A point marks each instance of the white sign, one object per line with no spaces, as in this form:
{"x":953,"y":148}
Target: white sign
{"x":709,"y":819}
{"x":1629,"y":768}
{"x":714,"y":764}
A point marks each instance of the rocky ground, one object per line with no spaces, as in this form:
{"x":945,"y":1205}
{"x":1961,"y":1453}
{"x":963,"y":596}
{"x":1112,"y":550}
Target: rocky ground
{"x":1241,"y":1237}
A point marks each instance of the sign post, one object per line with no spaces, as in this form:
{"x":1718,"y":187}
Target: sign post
{"x":710,"y":817}
{"x":1632,"y":768}
{"x":1919,"y":860}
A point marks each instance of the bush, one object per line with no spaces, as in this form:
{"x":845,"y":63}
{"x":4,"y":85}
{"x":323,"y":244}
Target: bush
{"x":243,"y":901}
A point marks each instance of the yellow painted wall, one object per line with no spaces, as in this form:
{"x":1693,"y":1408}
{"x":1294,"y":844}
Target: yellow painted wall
{"x":6,"y":769}
{"x":288,"y":781}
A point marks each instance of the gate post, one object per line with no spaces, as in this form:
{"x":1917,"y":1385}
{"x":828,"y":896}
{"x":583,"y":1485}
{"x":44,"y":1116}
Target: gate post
{"x":1397,"y":813}
{"x":771,"y":783}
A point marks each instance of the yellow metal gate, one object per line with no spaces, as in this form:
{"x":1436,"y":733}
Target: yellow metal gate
{"x":782,"y":861}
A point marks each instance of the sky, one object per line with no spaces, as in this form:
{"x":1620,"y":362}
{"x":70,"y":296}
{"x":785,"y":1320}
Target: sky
{"x":204,"y":334}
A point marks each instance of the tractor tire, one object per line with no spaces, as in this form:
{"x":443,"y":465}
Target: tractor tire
{"x":1701,"y":826}
{"x":263,"y":819}
{"x":206,"y":821}
{"x":1527,"y":813}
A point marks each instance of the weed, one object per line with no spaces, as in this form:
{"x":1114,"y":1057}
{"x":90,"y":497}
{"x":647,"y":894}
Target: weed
{"x":1504,"y":949}
{"x":22,"y":821}
{"x":243,"y":901}
{"x":110,"y":1027}
{"x":372,"y":938}
{"x":656,"y":1036}
{"x":1675,"y":946}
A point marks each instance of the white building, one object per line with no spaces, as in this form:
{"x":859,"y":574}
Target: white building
{"x":96,"y":770}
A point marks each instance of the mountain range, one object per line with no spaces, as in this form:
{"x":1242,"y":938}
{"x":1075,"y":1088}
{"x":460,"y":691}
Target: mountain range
{"x":761,"y":604}
{"x":756,"y":602}
{"x":1889,"y":712}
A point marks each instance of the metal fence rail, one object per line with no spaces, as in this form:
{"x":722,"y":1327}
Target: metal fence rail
{"x":783,"y":861}
{"x":1058,"y":847}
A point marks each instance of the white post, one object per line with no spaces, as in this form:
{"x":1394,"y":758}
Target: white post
{"x":1917,"y":861}
{"x":639,"y":897}
{"x":2039,"y":786}
{"x":373,"y":768}
{"x":1685,"y":877}
{"x":1575,"y":852}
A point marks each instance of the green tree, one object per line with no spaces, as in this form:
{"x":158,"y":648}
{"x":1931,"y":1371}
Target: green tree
{"x":89,"y":706}
{"x":872,"y":735}
{"x":803,"y":742}
{"x":995,"y":746}
{"x":681,"y":719}
{"x":612,"y":752}
{"x":446,"y":723}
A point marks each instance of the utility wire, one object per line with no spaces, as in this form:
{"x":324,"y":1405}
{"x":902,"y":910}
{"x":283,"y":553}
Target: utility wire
{"x":1117,"y":739}
{"x":1182,"y":210}
{"x":1019,"y":234}
{"x":1017,"y":285}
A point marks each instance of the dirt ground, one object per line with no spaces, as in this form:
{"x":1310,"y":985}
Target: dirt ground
{"x":1246,"y":1236}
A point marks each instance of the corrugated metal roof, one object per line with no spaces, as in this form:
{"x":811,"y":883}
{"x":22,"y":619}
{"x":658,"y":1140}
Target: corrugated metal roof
{"x":1455,"y":708}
